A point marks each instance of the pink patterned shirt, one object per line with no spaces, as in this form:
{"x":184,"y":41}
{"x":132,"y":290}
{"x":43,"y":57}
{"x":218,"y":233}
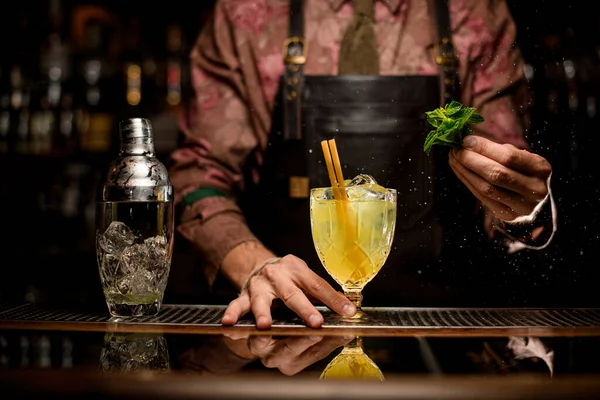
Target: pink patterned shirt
{"x":236,"y":66}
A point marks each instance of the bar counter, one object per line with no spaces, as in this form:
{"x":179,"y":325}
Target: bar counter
{"x":402,"y":353}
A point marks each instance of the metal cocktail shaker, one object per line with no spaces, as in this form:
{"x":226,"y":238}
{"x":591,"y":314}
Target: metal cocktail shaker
{"x":134,"y":225}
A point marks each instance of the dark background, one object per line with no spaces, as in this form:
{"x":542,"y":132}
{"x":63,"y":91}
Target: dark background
{"x":48,"y":177}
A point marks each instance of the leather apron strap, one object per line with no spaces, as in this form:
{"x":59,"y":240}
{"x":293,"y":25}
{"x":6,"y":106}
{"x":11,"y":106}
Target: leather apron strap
{"x":445,"y":56}
{"x":294,"y":55}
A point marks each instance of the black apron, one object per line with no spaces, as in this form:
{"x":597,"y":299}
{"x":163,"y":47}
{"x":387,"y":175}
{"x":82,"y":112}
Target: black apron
{"x":379,"y":126}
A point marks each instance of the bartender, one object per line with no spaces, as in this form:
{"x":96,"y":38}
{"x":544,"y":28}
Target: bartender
{"x":272,"y":78}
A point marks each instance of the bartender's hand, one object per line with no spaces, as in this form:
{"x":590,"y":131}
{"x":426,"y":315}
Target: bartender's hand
{"x":508,"y":180}
{"x":290,"y":280}
{"x":291,"y":354}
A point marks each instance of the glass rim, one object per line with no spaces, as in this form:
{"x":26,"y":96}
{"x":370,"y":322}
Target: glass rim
{"x":329,"y":187}
{"x":318,"y":194}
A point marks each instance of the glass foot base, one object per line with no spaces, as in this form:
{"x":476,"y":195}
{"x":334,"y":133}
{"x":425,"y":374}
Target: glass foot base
{"x":360,"y":318}
{"x":133,"y":310}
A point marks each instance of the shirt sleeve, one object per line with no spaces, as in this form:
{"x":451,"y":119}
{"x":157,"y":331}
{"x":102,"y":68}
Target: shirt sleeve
{"x":492,"y":69}
{"x":218,"y":139}
{"x":493,"y":81}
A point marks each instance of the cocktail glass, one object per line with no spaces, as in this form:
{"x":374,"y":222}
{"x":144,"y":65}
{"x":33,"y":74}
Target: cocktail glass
{"x":353,"y":237}
{"x":132,"y":352}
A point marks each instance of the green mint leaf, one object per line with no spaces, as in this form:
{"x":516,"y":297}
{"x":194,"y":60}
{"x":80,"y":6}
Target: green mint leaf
{"x":475,"y":119}
{"x":451,"y":125}
{"x":435,"y":117}
{"x":452,"y":108}
{"x":437,"y":113}
{"x":429,"y":141}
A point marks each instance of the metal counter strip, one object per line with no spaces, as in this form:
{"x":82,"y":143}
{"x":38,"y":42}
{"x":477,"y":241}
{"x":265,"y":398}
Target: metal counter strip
{"x":384,"y":321}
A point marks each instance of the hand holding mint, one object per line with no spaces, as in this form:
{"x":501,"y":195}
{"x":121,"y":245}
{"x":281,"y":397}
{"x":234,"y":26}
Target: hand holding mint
{"x":451,"y":125}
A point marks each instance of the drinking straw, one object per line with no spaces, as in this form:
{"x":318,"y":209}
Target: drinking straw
{"x":338,"y":186}
{"x":338,"y":169}
{"x":330,"y":169}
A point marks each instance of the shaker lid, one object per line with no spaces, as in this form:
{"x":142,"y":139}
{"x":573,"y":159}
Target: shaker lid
{"x":135,"y":128}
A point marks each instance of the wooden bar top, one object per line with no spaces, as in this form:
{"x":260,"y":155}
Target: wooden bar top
{"x":185,"y":353}
{"x":205,"y":319}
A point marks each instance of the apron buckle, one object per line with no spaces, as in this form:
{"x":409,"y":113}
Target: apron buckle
{"x":299,"y":187}
{"x":444,"y":53}
{"x":294,"y":50}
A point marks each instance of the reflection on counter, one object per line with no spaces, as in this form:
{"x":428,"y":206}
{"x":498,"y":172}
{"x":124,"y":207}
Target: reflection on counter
{"x":352,"y":363}
{"x":132,"y":352}
{"x":36,"y":350}
{"x":531,"y":348}
{"x":519,"y":354}
{"x":314,"y":357}
{"x":337,"y":357}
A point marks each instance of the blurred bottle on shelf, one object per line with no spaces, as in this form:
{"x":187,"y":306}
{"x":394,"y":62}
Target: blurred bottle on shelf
{"x":65,"y":139}
{"x":176,"y":63}
{"x":54,"y":55}
{"x":131,"y":64}
{"x":20,"y":93}
{"x":95,"y":114}
{"x":173,"y":84}
{"x":572,"y":57}
{"x":4,"y":110}
{"x":54,"y":120}
{"x":139,"y":73}
{"x":42,"y":125}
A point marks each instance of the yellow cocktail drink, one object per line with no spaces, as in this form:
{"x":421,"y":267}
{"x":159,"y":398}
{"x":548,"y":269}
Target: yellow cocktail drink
{"x":353,"y":237}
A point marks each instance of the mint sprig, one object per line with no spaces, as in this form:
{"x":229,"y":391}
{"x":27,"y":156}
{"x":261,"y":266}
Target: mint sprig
{"x":451,"y":125}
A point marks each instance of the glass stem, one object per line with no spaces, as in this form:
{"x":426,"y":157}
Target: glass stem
{"x":355,"y":343}
{"x":356,"y":298}
{"x":354,"y":346}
